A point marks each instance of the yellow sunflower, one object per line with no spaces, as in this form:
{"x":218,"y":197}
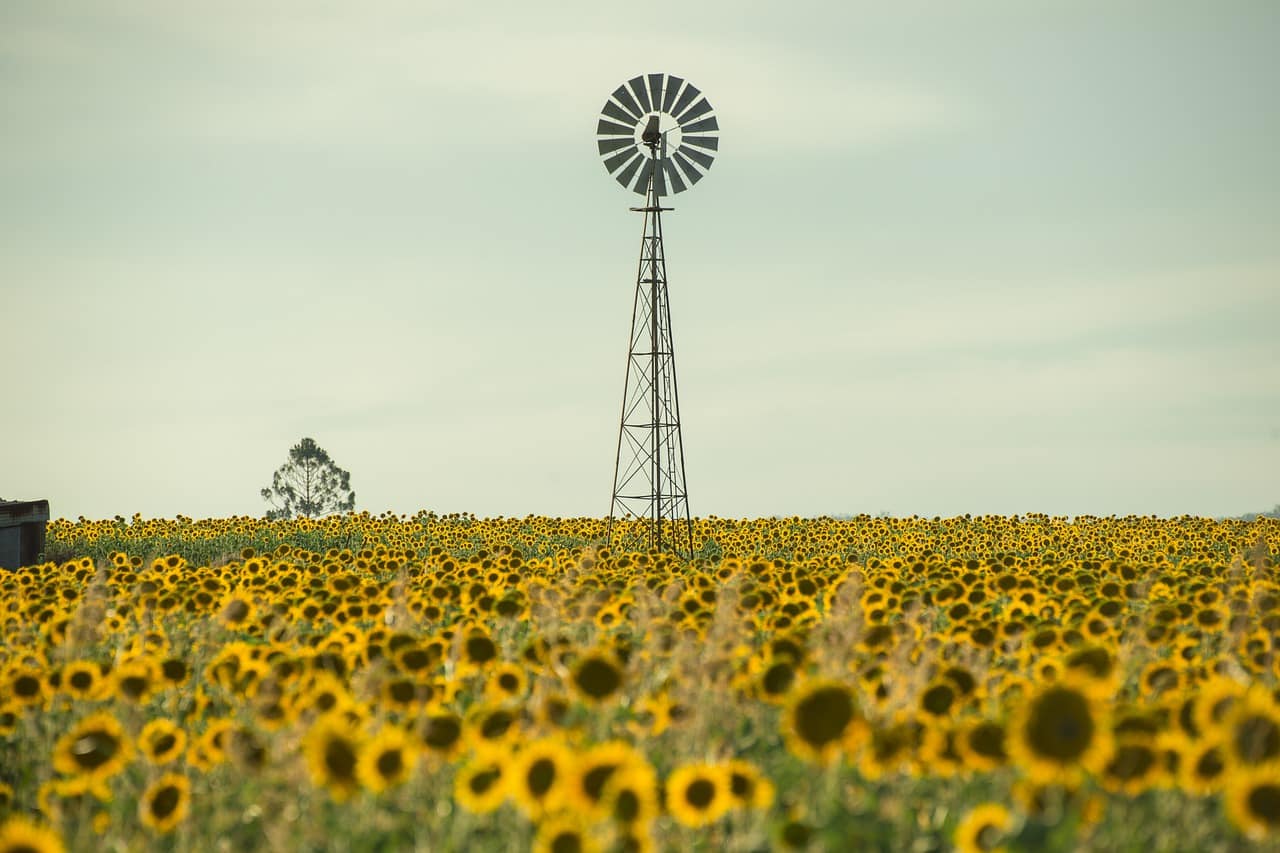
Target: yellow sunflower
{"x":332,"y":750}
{"x":386,"y":761}
{"x":821,"y":720}
{"x":19,"y":835}
{"x":775,"y":680}
{"x":175,"y":671}
{"x":539,"y":778}
{"x":1252,"y":730}
{"x":939,"y":754}
{"x":83,"y":680}
{"x":982,"y":745}
{"x":631,"y":795}
{"x":492,"y":729}
{"x":1134,"y":766}
{"x":597,"y":676}
{"x":165,"y":803}
{"x":699,"y":794}
{"x":10,"y":713}
{"x":27,"y":686}
{"x":564,"y":833}
{"x":593,"y":770}
{"x":213,"y":740}
{"x":507,"y":681}
{"x":748,"y":786}
{"x":1059,"y":731}
{"x":1203,"y":766}
{"x":402,"y":693}
{"x":161,"y":741}
{"x":1214,"y":701}
{"x":1253,"y":802}
{"x":480,"y":787}
{"x":983,"y":829}
{"x":477,"y":651}
{"x":939,"y":699}
{"x":136,"y":679}
{"x":95,"y":750}
{"x":440,"y":732}
{"x":237,"y":610}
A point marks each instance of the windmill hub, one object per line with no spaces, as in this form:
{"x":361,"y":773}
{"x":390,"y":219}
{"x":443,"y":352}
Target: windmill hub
{"x":651,"y":135}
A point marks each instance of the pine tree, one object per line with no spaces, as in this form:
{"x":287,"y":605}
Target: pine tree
{"x":309,"y":484}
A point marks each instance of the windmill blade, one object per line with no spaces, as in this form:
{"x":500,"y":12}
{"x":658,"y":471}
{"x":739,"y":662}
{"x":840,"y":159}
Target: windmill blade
{"x":608,"y":128}
{"x":690,"y":171}
{"x":618,"y":159}
{"x":703,"y":160}
{"x":673,"y":89}
{"x":655,"y":90}
{"x":617,"y":113}
{"x":699,"y":109}
{"x":701,"y":141}
{"x":622,"y":96}
{"x":642,"y":94}
{"x":673,"y":176}
{"x":624,"y":177}
{"x":613,"y":143}
{"x":705,"y":126}
{"x":642,"y":180}
{"x":686,"y":97}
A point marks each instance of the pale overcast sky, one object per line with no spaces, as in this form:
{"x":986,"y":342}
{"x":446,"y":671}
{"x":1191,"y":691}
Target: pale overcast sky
{"x":953,"y":257}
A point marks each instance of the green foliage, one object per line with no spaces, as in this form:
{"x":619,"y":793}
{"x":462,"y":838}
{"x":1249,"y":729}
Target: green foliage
{"x":309,"y":484}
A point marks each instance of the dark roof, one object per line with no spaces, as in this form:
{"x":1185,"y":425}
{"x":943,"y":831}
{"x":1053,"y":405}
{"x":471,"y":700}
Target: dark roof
{"x":24,"y":511}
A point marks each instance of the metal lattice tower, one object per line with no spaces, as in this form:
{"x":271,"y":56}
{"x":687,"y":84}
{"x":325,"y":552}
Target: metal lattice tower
{"x":650,"y":493}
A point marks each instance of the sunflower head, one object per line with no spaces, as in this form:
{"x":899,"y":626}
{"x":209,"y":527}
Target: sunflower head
{"x":1253,"y":803}
{"x":983,"y":829}
{"x":563,"y":834}
{"x":491,"y":729}
{"x":597,"y":676}
{"x":1058,"y":731}
{"x":631,"y":795}
{"x":332,"y":750}
{"x":748,"y":786}
{"x":1134,"y":766}
{"x":386,"y":761}
{"x":1202,"y":767}
{"x":165,"y":803}
{"x":96,"y":749}
{"x":83,"y":680}
{"x":698,"y":794}
{"x":480,"y":787}
{"x":27,"y":686}
{"x":440,"y":732}
{"x":19,"y":834}
{"x":161,"y":741}
{"x":593,"y":771}
{"x":1251,"y":730}
{"x":540,"y":777}
{"x":821,"y":720}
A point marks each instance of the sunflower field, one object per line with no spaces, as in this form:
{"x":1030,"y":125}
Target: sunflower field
{"x":439,"y":683}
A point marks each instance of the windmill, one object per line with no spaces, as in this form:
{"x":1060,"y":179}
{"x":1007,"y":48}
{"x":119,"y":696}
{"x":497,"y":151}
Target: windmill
{"x":657,"y":135}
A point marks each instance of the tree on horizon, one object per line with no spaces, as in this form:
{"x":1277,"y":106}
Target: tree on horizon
{"x":309,"y":484}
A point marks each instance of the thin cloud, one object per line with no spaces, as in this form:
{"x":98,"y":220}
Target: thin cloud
{"x":405,"y":73}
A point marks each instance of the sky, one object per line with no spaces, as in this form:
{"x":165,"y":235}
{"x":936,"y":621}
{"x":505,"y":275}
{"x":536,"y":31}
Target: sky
{"x":969,"y":257}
